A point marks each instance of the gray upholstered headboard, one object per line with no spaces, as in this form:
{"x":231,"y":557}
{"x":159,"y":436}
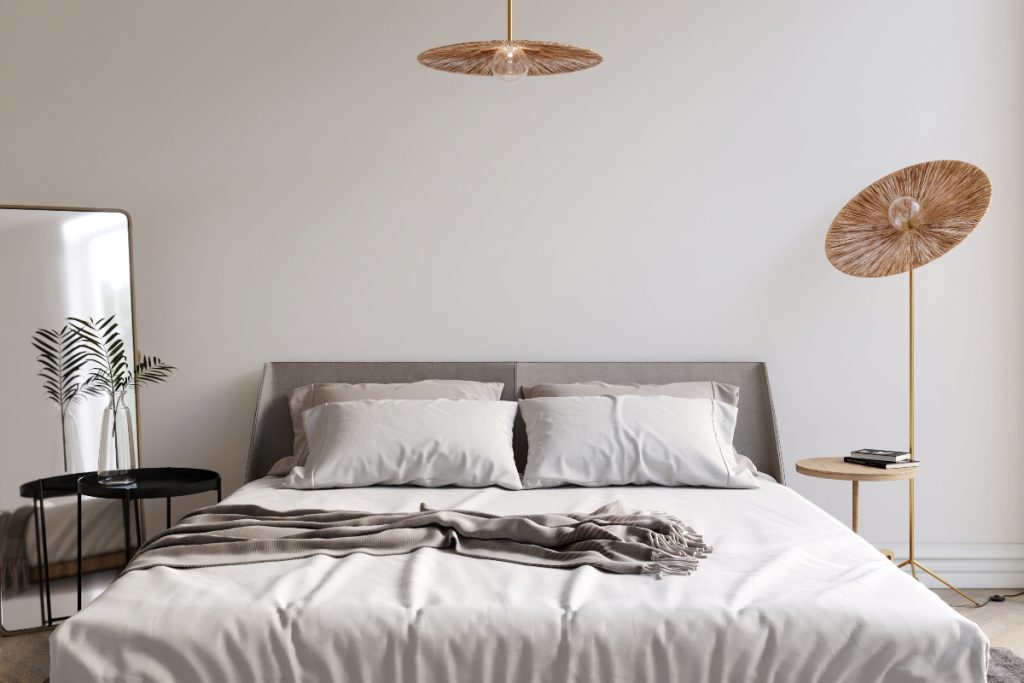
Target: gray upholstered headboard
{"x":756,"y":433}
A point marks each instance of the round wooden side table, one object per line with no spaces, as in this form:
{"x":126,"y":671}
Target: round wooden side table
{"x":837,"y":468}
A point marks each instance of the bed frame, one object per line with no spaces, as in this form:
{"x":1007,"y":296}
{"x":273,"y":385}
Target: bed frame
{"x":756,"y":433}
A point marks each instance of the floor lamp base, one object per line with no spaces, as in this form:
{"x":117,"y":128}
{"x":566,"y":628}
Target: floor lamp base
{"x":915,"y":565}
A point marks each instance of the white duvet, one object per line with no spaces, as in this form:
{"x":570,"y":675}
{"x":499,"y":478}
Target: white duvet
{"x":789,"y":594}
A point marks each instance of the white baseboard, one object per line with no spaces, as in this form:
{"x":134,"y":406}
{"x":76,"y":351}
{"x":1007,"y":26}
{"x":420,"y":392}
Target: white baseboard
{"x":970,"y":565}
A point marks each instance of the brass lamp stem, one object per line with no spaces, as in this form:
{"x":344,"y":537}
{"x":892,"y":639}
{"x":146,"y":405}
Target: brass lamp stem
{"x":911,"y":289}
{"x":913,"y":564}
{"x":912,"y":561}
{"x":509,"y":34}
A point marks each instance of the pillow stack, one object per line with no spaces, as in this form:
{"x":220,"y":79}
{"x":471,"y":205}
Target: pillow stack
{"x":302,"y":399}
{"x":429,"y":433}
{"x":459,"y":433}
{"x":597,"y":434}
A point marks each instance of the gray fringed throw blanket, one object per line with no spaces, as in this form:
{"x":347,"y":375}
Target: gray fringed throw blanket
{"x":615,"y":538}
{"x":13,"y":561}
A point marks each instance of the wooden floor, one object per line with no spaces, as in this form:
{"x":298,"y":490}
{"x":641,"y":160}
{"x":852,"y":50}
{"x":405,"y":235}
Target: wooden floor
{"x":26,"y":658}
{"x":1002,"y":622}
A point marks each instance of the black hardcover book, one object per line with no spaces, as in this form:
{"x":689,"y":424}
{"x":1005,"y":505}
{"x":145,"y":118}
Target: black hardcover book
{"x":882,"y":465}
{"x":879,"y":454}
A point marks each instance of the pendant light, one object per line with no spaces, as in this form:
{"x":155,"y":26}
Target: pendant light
{"x":509,"y":60}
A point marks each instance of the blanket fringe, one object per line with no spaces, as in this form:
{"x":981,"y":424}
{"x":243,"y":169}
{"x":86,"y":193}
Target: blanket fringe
{"x":682,"y":541}
{"x":677,"y":552}
{"x":14,"y":574}
{"x":673,"y":567}
{"x":13,"y":560}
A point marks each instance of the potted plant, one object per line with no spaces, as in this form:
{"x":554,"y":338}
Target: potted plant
{"x":111,"y":376}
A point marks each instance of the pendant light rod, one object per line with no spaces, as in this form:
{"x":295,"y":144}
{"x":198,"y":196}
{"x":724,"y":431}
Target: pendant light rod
{"x":509,"y":21}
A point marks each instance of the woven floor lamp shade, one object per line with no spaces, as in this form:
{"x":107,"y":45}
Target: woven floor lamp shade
{"x":951,"y":198}
{"x":900,"y":223}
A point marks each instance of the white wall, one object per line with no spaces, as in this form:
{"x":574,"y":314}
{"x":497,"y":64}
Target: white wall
{"x":302,"y":189}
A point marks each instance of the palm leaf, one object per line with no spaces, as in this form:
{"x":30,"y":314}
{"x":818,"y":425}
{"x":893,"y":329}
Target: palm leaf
{"x":103,"y":348}
{"x":103,"y":352}
{"x":61,"y":362}
{"x":152,"y":370}
{"x":62,"y":359}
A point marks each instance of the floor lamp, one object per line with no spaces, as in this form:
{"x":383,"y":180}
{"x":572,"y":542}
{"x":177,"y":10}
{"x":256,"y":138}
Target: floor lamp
{"x":900,"y":223}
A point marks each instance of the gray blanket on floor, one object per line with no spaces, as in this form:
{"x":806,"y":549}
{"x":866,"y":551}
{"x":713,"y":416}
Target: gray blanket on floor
{"x":616,"y":538}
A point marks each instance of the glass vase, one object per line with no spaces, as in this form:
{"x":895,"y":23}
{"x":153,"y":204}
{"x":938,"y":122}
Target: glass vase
{"x":118,"y":458}
{"x":73,"y":455}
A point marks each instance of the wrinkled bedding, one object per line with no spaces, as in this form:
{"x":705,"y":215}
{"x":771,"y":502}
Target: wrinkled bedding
{"x":789,"y":594}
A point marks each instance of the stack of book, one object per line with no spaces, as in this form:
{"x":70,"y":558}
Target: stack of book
{"x":886,"y":460}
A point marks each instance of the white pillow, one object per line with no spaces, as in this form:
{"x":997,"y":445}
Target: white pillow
{"x":613,"y":440}
{"x":437,"y":442}
{"x":303,"y":398}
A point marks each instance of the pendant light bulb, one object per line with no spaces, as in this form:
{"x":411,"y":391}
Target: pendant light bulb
{"x":510,"y":63}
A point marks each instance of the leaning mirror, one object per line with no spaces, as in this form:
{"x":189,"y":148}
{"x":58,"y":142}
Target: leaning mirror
{"x":66,"y":275}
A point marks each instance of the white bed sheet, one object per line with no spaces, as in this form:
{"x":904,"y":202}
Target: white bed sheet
{"x":789,"y":594}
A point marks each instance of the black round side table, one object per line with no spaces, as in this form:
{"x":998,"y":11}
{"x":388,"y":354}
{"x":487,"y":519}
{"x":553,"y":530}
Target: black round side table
{"x":39,"y":490}
{"x":150,"y":482}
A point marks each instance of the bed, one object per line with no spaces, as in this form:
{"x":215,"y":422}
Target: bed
{"x":789,"y":593}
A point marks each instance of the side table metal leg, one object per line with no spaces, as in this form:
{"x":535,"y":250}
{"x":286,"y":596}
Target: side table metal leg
{"x":78,"y":564}
{"x":168,"y":512}
{"x":856,"y":502}
{"x":45,"y":564}
{"x":138,"y":525}
{"x":39,"y":554}
{"x":127,"y":529}
{"x":218,"y":489}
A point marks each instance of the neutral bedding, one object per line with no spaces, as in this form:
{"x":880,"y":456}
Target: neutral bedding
{"x":789,"y":594}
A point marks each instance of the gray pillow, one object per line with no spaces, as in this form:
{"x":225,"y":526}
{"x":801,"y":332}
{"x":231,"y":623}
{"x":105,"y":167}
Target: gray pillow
{"x":726,"y":393}
{"x":312,"y":395}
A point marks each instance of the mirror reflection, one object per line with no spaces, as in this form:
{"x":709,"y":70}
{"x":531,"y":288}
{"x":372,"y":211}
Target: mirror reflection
{"x":65,"y":275}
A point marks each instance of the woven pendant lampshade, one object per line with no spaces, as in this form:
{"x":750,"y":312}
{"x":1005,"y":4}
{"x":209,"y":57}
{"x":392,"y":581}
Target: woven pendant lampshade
{"x":509,"y":59}
{"x":908,"y":218}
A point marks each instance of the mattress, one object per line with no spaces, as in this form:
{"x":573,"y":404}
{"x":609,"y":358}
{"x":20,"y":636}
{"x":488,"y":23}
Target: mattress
{"x":789,"y":594}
